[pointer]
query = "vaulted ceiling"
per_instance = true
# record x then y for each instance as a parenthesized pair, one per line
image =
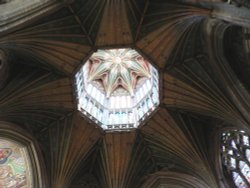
(201, 94)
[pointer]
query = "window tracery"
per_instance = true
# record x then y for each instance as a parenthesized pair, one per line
(235, 151)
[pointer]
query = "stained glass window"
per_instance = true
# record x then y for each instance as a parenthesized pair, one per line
(235, 152)
(15, 169)
(117, 88)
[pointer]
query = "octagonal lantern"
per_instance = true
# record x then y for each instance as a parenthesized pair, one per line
(117, 88)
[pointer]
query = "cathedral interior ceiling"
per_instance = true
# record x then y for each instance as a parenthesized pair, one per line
(46, 48)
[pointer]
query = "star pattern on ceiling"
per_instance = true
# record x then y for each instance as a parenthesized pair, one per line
(118, 68)
(199, 93)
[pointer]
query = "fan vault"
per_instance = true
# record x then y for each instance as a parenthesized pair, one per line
(195, 48)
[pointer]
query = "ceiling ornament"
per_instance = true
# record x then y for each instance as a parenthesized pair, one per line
(118, 68)
(117, 88)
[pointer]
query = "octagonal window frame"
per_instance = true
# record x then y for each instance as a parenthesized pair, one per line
(153, 94)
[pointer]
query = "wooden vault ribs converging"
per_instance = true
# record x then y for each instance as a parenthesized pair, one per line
(200, 92)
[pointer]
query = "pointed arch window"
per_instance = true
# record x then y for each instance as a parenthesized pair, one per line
(235, 152)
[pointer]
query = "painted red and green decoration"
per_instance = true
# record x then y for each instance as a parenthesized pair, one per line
(117, 88)
(14, 166)
(118, 68)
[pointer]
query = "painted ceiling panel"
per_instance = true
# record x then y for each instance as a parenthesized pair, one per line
(118, 68)
(15, 165)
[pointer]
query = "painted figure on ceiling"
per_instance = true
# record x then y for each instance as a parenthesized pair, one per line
(12, 170)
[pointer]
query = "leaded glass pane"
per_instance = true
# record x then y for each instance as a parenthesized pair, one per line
(246, 140)
(245, 170)
(239, 181)
(236, 156)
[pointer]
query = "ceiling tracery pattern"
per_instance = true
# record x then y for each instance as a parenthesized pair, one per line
(118, 68)
(121, 34)
(173, 149)
(66, 158)
(36, 97)
(115, 164)
(39, 95)
(57, 40)
(158, 37)
(192, 88)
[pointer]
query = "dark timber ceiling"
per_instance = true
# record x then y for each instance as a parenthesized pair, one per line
(175, 146)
